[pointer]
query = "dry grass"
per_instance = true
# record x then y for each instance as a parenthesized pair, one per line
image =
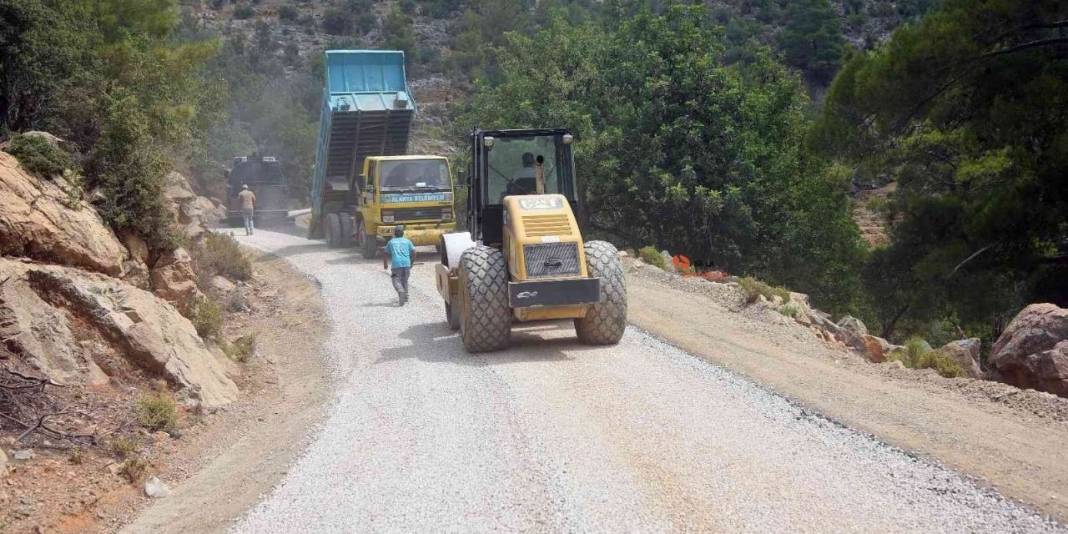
(157, 411)
(754, 289)
(917, 354)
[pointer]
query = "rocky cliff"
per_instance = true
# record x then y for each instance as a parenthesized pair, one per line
(74, 301)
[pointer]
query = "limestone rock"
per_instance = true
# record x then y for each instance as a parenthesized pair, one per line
(54, 316)
(1032, 352)
(192, 213)
(876, 349)
(174, 280)
(36, 222)
(222, 285)
(137, 247)
(966, 353)
(854, 325)
(155, 488)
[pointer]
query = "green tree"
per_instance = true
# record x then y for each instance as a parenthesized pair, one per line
(679, 150)
(812, 39)
(110, 77)
(966, 111)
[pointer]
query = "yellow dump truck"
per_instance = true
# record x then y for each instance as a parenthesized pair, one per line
(416, 191)
(363, 184)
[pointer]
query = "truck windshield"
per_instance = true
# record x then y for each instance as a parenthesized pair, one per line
(514, 163)
(421, 175)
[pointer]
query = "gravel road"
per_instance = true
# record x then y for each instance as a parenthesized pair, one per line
(555, 436)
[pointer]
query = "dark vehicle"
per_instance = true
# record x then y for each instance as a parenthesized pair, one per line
(264, 178)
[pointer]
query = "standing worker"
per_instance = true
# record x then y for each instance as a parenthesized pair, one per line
(400, 250)
(248, 206)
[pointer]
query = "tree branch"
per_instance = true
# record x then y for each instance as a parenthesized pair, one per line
(1025, 46)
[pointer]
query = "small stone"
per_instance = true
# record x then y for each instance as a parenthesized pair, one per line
(155, 488)
(22, 455)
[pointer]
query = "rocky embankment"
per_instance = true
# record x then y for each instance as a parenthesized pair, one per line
(80, 305)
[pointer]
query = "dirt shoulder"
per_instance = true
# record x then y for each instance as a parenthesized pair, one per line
(240, 453)
(1007, 439)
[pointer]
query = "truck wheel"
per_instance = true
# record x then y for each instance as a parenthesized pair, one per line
(605, 321)
(333, 229)
(368, 243)
(344, 239)
(452, 316)
(486, 319)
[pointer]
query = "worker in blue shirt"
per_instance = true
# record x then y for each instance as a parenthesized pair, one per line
(400, 251)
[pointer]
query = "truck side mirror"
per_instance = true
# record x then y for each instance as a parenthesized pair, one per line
(361, 181)
(461, 177)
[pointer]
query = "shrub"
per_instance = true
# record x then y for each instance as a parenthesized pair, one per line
(157, 411)
(207, 318)
(652, 256)
(241, 349)
(288, 13)
(219, 254)
(39, 157)
(918, 354)
(123, 447)
(337, 22)
(754, 289)
(243, 12)
(790, 310)
(134, 469)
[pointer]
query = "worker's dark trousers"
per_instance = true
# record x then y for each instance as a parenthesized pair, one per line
(400, 282)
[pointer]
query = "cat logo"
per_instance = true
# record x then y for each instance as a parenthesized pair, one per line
(526, 294)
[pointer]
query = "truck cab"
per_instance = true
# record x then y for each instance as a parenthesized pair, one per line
(416, 191)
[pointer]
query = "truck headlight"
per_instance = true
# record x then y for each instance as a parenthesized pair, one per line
(387, 216)
(446, 215)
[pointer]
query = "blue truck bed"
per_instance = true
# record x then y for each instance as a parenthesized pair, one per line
(367, 111)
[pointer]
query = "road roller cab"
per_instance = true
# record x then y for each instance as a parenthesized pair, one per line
(524, 258)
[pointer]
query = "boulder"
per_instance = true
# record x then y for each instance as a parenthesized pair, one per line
(36, 222)
(137, 247)
(966, 353)
(155, 488)
(176, 188)
(876, 348)
(136, 273)
(853, 333)
(669, 266)
(192, 213)
(854, 325)
(1032, 352)
(60, 319)
(173, 279)
(222, 285)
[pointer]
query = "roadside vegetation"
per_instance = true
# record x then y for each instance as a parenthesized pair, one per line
(697, 134)
(736, 133)
(917, 354)
(219, 255)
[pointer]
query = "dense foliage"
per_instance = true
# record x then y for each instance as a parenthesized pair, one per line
(679, 149)
(966, 111)
(107, 76)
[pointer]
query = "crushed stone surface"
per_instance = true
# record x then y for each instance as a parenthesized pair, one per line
(551, 435)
